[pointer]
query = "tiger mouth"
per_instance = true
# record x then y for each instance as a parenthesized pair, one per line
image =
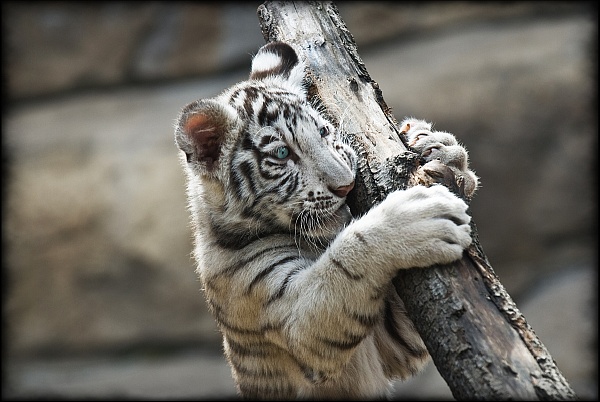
(324, 219)
(343, 212)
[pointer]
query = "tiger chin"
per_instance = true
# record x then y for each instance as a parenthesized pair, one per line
(300, 290)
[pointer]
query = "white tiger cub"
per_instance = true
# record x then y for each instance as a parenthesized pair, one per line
(300, 290)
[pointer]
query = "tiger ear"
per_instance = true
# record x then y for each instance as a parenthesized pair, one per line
(279, 61)
(200, 132)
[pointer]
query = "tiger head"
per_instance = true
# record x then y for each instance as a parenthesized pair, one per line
(266, 153)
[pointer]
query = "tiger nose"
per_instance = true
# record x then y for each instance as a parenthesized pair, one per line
(342, 191)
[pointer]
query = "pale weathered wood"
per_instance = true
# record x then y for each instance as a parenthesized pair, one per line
(479, 341)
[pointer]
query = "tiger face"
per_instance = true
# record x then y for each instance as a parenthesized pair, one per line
(304, 170)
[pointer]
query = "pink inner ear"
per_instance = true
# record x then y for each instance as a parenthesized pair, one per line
(206, 137)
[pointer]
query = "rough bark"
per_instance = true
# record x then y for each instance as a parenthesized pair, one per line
(479, 341)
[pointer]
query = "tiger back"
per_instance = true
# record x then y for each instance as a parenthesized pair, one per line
(301, 291)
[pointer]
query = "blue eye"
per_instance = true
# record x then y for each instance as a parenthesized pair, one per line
(282, 152)
(323, 131)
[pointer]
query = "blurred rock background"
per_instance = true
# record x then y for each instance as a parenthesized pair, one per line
(100, 296)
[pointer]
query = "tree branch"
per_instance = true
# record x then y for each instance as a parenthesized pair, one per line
(479, 341)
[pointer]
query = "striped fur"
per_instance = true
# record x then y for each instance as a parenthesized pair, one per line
(300, 290)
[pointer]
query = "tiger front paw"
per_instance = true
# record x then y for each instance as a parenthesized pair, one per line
(445, 160)
(428, 225)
